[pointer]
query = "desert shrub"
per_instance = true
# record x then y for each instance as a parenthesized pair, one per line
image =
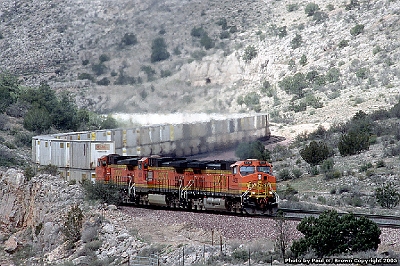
(332, 75)
(159, 50)
(365, 166)
(7, 158)
(310, 9)
(292, 7)
(334, 174)
(252, 150)
(197, 32)
(294, 84)
(340, 234)
(376, 50)
(207, 42)
(9, 90)
(315, 152)
(387, 196)
(103, 82)
(290, 192)
(103, 58)
(233, 29)
(124, 79)
(23, 139)
(250, 52)
(327, 165)
(29, 172)
(299, 107)
(223, 23)
(357, 29)
(224, 34)
(107, 193)
(150, 72)
(251, 99)
(330, 7)
(49, 169)
(165, 73)
(343, 43)
(296, 41)
(280, 152)
(380, 163)
(303, 60)
(37, 119)
(73, 224)
(86, 76)
(320, 16)
(352, 5)
(284, 174)
(99, 69)
(297, 173)
(353, 143)
(362, 73)
(380, 114)
(129, 39)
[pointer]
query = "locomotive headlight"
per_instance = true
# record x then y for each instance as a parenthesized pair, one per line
(270, 192)
(259, 176)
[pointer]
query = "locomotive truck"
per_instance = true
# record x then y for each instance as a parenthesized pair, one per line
(247, 186)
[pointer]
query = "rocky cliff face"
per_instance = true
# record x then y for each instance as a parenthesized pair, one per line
(32, 212)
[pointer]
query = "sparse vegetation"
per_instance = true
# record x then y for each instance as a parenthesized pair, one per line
(250, 52)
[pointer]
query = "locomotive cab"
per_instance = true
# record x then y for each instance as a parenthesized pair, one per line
(257, 186)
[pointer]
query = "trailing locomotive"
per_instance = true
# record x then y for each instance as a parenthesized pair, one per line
(243, 186)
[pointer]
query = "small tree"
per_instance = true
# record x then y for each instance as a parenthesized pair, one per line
(159, 50)
(282, 239)
(387, 196)
(311, 8)
(357, 29)
(331, 234)
(252, 150)
(315, 152)
(353, 143)
(296, 41)
(73, 224)
(250, 52)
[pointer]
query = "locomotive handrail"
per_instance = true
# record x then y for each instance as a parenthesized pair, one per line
(184, 190)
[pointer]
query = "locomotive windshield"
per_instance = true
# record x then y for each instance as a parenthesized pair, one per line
(246, 170)
(264, 169)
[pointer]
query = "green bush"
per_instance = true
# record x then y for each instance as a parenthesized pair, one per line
(37, 119)
(129, 39)
(332, 75)
(9, 90)
(86, 76)
(73, 224)
(223, 23)
(197, 32)
(106, 193)
(207, 42)
(99, 69)
(343, 43)
(339, 234)
(124, 79)
(362, 73)
(315, 152)
(303, 60)
(353, 143)
(103, 58)
(320, 16)
(352, 5)
(296, 41)
(284, 174)
(387, 196)
(103, 82)
(224, 35)
(357, 29)
(294, 84)
(150, 72)
(159, 50)
(250, 52)
(310, 9)
(292, 7)
(252, 150)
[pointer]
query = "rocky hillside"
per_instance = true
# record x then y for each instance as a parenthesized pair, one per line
(224, 56)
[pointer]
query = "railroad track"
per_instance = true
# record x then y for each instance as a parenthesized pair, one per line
(389, 221)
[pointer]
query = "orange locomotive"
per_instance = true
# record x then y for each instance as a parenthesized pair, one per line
(247, 186)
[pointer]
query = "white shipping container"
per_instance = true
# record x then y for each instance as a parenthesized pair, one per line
(84, 154)
(60, 153)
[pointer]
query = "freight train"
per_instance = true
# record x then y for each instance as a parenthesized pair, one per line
(247, 186)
